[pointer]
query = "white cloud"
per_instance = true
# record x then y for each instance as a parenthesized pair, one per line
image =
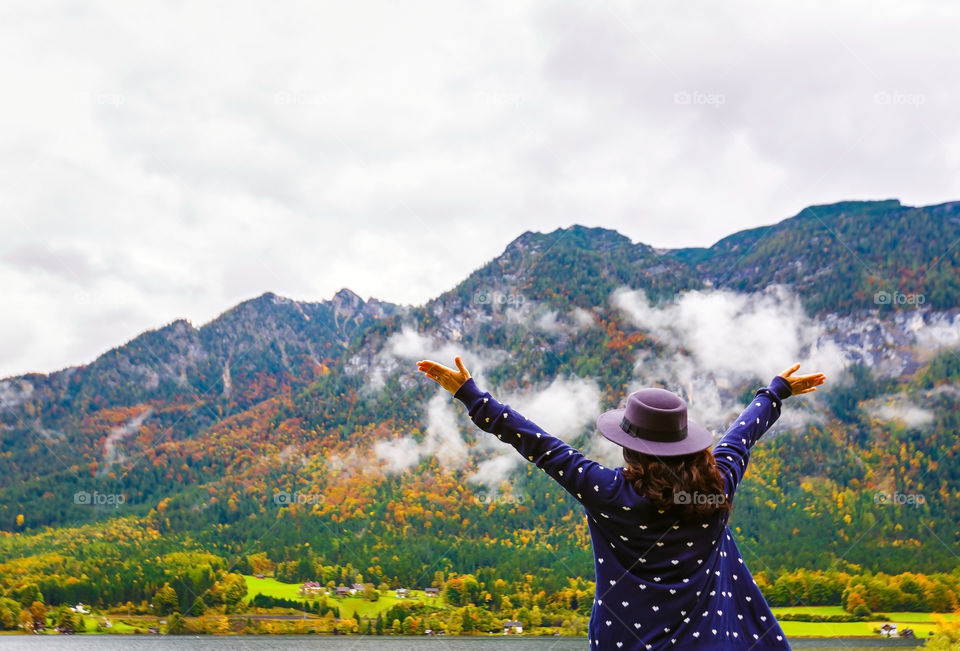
(406, 347)
(306, 148)
(442, 440)
(736, 334)
(13, 393)
(398, 454)
(551, 321)
(716, 340)
(938, 331)
(496, 470)
(562, 409)
(909, 415)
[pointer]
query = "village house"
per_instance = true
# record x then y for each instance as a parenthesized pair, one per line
(432, 592)
(356, 587)
(402, 593)
(311, 587)
(343, 591)
(888, 630)
(512, 627)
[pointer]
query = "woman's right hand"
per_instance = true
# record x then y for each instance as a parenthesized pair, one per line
(802, 383)
(448, 378)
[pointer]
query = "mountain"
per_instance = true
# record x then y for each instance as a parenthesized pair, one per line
(282, 423)
(838, 257)
(187, 377)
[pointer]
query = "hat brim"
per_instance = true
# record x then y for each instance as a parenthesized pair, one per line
(698, 437)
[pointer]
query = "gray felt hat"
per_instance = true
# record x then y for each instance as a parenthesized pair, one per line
(654, 422)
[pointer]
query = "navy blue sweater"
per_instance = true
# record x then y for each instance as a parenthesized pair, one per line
(663, 582)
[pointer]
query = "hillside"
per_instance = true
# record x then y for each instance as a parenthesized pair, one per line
(839, 256)
(297, 431)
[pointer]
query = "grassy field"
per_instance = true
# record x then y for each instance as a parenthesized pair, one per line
(271, 588)
(349, 606)
(921, 623)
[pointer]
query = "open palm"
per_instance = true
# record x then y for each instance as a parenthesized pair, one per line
(802, 383)
(448, 378)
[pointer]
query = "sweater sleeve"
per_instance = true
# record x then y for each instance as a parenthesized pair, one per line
(733, 451)
(591, 483)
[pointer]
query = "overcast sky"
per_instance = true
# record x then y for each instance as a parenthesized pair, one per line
(165, 160)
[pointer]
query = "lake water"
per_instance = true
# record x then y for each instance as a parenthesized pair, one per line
(358, 643)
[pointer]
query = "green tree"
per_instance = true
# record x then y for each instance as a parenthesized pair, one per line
(231, 590)
(68, 621)
(9, 613)
(165, 600)
(28, 594)
(176, 624)
(198, 607)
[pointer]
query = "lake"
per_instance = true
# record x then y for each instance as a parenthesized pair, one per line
(358, 643)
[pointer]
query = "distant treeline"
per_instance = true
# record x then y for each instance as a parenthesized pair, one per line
(316, 607)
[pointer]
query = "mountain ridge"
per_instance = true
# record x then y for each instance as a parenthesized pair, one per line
(345, 301)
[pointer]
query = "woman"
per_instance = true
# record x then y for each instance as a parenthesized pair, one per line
(669, 575)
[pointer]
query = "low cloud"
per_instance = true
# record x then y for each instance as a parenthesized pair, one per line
(538, 317)
(403, 349)
(937, 331)
(745, 335)
(496, 470)
(564, 408)
(442, 440)
(717, 341)
(900, 410)
(14, 392)
(398, 455)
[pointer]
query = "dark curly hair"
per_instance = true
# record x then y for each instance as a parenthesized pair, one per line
(690, 485)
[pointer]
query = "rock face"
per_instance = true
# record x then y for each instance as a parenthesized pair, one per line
(266, 336)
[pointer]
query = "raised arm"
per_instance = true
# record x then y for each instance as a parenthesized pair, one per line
(733, 451)
(591, 483)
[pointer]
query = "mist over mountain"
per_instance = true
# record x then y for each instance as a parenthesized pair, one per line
(200, 428)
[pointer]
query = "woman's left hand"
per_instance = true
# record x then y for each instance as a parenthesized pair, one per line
(446, 377)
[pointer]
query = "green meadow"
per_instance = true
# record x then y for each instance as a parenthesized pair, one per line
(921, 623)
(349, 606)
